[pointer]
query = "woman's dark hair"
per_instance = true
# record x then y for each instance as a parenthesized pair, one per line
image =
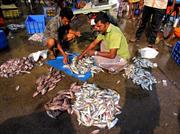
(66, 12)
(103, 17)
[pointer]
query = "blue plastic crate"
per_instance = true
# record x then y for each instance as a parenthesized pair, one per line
(3, 40)
(176, 52)
(35, 24)
(58, 64)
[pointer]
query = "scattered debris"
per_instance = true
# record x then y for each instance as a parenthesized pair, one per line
(17, 88)
(16, 66)
(95, 131)
(118, 82)
(175, 114)
(164, 82)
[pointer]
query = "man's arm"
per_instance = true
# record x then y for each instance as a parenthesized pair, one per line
(111, 54)
(65, 60)
(89, 48)
(76, 33)
(174, 2)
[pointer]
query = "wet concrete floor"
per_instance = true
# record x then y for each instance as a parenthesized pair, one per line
(143, 112)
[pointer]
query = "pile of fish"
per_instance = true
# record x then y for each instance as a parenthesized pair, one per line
(93, 106)
(96, 106)
(15, 27)
(83, 66)
(143, 63)
(48, 82)
(36, 37)
(61, 102)
(139, 75)
(16, 66)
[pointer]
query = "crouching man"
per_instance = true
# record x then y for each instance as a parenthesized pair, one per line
(58, 34)
(114, 52)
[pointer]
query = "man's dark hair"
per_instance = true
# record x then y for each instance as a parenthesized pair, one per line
(103, 17)
(66, 12)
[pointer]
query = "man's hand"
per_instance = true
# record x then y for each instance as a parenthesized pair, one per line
(79, 57)
(70, 36)
(65, 59)
(78, 34)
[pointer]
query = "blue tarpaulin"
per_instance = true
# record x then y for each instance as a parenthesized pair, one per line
(59, 65)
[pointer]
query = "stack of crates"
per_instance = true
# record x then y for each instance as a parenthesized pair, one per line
(10, 11)
(35, 24)
(176, 52)
(49, 12)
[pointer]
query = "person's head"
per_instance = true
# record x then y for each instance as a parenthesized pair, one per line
(66, 15)
(102, 22)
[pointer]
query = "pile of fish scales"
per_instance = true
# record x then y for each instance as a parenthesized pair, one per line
(62, 101)
(48, 82)
(96, 107)
(16, 66)
(84, 65)
(139, 75)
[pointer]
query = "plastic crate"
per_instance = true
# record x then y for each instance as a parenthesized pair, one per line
(10, 11)
(176, 52)
(35, 24)
(49, 12)
(3, 40)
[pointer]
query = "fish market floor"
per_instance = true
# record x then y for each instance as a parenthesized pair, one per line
(143, 112)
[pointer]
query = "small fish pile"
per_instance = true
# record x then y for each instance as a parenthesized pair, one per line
(36, 37)
(96, 107)
(143, 63)
(83, 66)
(16, 66)
(48, 82)
(61, 102)
(140, 77)
(15, 27)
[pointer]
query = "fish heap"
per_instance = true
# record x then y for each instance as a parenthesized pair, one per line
(143, 63)
(16, 66)
(96, 107)
(83, 66)
(15, 27)
(139, 75)
(61, 102)
(36, 37)
(48, 82)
